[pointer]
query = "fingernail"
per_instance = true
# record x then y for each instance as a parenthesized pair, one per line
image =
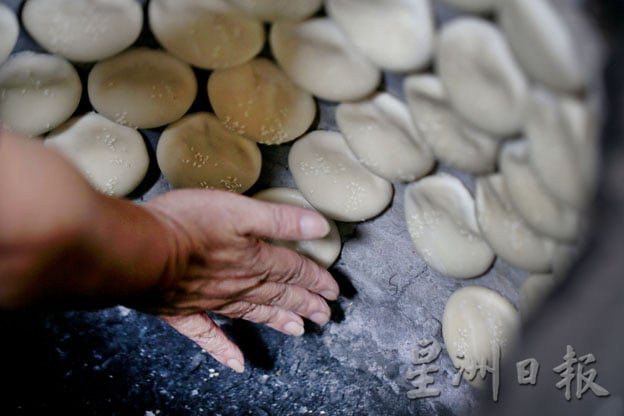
(319, 318)
(329, 294)
(313, 226)
(294, 328)
(236, 365)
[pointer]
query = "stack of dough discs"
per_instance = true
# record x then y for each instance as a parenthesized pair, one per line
(542, 43)
(85, 30)
(9, 30)
(259, 101)
(484, 83)
(440, 215)
(142, 88)
(272, 10)
(198, 152)
(111, 156)
(38, 92)
(506, 232)
(396, 35)
(532, 200)
(453, 140)
(319, 58)
(208, 34)
(332, 179)
(381, 134)
(324, 251)
(478, 324)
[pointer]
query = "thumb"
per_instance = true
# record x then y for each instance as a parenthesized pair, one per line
(202, 330)
(282, 222)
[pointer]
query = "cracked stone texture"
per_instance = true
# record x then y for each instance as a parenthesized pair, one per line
(119, 362)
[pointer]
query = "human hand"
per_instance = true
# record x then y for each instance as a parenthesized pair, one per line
(222, 264)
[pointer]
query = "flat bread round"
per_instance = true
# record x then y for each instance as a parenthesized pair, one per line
(38, 92)
(208, 34)
(484, 82)
(142, 88)
(259, 101)
(396, 35)
(380, 132)
(112, 157)
(505, 230)
(323, 251)
(542, 43)
(454, 141)
(9, 31)
(85, 30)
(478, 325)
(333, 181)
(319, 58)
(441, 220)
(198, 152)
(273, 10)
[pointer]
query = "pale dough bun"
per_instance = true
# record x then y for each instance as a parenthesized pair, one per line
(323, 251)
(259, 101)
(272, 10)
(453, 140)
(396, 35)
(208, 34)
(333, 181)
(534, 291)
(477, 324)
(380, 132)
(542, 43)
(562, 145)
(112, 157)
(319, 58)
(441, 220)
(38, 92)
(484, 82)
(473, 6)
(85, 30)
(198, 152)
(506, 232)
(538, 207)
(142, 88)
(9, 31)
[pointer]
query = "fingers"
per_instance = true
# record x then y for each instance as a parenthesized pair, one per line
(282, 222)
(272, 316)
(287, 266)
(208, 335)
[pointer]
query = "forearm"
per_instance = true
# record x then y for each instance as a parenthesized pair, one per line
(61, 241)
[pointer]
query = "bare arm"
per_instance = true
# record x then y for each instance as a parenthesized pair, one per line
(183, 253)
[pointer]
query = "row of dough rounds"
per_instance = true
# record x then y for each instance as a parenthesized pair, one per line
(501, 98)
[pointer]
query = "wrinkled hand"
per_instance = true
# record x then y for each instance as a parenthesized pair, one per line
(222, 264)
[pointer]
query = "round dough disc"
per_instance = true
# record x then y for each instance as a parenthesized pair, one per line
(85, 30)
(332, 179)
(484, 82)
(506, 232)
(9, 31)
(478, 324)
(396, 35)
(454, 141)
(272, 10)
(319, 58)
(142, 88)
(259, 101)
(441, 221)
(208, 34)
(198, 152)
(534, 290)
(324, 251)
(380, 132)
(38, 92)
(112, 157)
